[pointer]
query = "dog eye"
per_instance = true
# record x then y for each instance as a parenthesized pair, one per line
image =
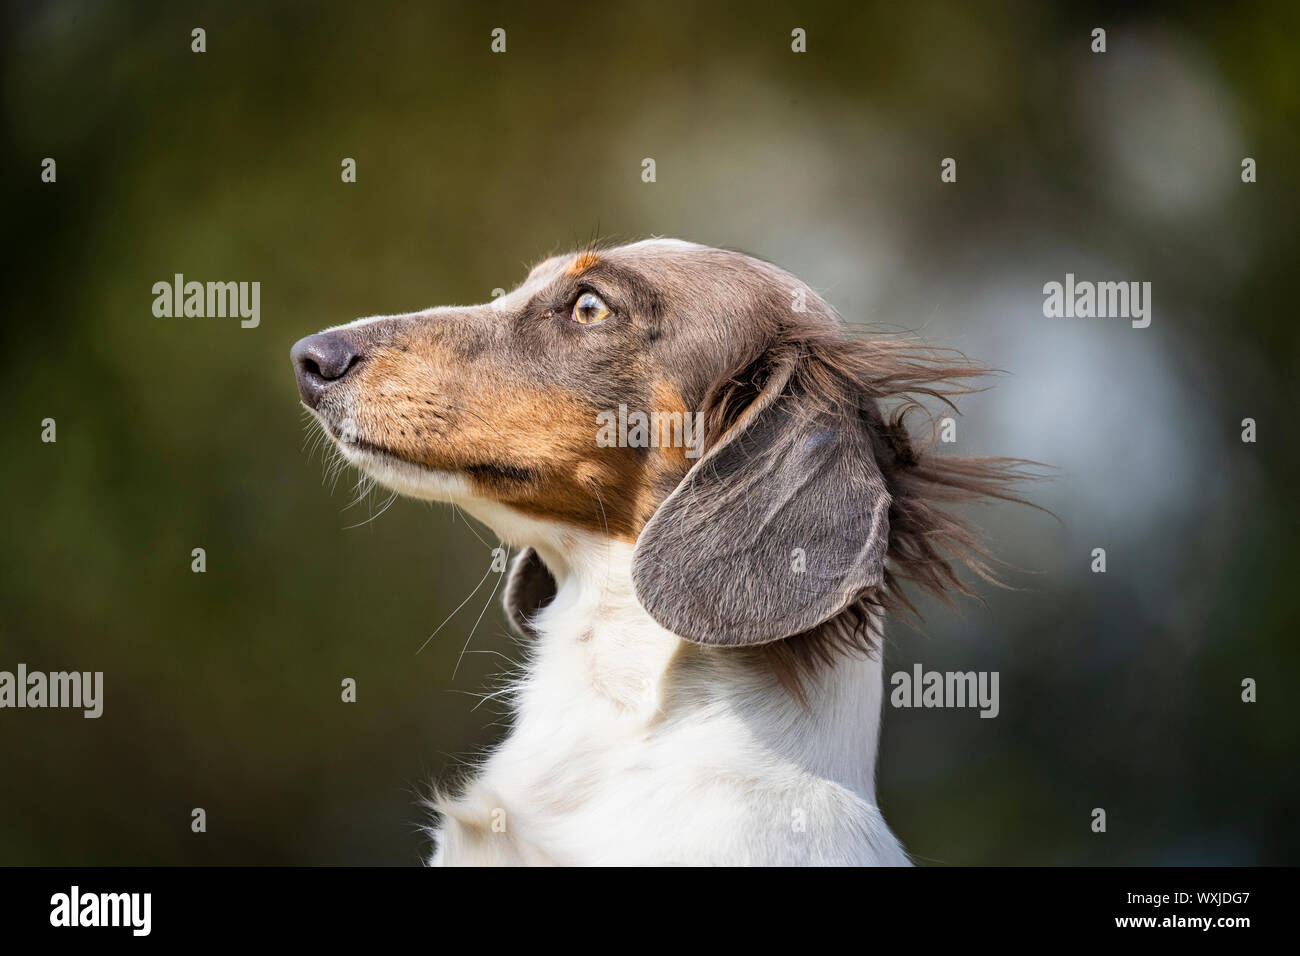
(590, 309)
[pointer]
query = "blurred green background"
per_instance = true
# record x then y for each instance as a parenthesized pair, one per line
(1119, 690)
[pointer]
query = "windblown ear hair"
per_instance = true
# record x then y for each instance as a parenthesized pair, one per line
(782, 524)
(529, 589)
(813, 503)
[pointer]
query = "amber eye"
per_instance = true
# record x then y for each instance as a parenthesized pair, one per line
(590, 309)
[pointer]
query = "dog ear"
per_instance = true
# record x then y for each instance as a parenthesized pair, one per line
(780, 526)
(529, 589)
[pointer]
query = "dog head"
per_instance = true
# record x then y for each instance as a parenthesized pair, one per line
(702, 404)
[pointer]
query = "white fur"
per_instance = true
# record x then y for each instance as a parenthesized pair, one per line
(631, 746)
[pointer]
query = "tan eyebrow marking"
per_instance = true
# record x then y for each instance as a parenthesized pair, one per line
(582, 263)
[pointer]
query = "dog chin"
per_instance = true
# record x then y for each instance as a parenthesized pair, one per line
(415, 481)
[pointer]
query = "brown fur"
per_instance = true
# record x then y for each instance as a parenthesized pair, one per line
(928, 543)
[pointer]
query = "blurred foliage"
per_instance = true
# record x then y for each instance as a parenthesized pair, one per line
(222, 689)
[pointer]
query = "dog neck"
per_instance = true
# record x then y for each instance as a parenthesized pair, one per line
(600, 661)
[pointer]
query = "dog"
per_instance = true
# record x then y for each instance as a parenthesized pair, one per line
(703, 683)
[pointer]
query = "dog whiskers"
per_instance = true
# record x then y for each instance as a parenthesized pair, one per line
(456, 510)
(454, 613)
(500, 576)
(388, 503)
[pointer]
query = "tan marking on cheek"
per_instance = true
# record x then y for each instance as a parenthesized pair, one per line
(552, 435)
(582, 263)
(579, 481)
(532, 448)
(672, 437)
(668, 464)
(613, 490)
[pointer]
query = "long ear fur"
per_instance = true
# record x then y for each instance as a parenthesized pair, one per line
(779, 527)
(805, 446)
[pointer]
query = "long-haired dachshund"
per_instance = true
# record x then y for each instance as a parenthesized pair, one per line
(717, 501)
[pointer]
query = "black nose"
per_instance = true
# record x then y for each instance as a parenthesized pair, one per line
(321, 360)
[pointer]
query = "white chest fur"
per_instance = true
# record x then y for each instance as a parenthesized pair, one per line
(631, 746)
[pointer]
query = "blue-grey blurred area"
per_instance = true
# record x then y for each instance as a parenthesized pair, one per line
(1119, 691)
